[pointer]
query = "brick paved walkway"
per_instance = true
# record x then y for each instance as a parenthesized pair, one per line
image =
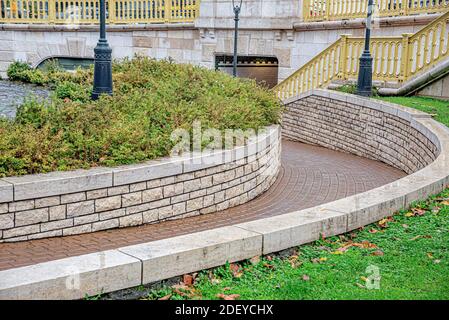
(310, 176)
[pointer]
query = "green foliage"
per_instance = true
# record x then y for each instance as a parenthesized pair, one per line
(32, 112)
(151, 100)
(51, 74)
(18, 71)
(73, 91)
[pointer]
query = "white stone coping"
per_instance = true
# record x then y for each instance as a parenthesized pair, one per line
(60, 183)
(167, 258)
(93, 27)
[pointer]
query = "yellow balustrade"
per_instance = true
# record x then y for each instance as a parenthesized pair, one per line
(395, 59)
(87, 12)
(328, 10)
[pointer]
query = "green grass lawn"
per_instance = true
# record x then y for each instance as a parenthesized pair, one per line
(402, 257)
(438, 108)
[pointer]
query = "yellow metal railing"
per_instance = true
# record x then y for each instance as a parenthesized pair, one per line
(87, 12)
(327, 10)
(395, 59)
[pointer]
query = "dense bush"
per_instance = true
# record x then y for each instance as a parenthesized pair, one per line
(151, 99)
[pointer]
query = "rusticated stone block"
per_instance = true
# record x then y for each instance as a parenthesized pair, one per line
(80, 208)
(6, 221)
(108, 204)
(24, 218)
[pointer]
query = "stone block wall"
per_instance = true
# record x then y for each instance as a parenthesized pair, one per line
(370, 129)
(183, 188)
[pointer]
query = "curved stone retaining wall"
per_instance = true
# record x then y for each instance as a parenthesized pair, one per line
(67, 203)
(131, 266)
(367, 128)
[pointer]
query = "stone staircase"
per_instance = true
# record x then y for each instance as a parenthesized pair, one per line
(397, 61)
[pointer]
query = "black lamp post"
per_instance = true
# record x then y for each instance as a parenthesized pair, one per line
(103, 59)
(365, 81)
(237, 7)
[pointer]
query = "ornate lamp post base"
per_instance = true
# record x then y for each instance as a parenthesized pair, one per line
(103, 69)
(365, 81)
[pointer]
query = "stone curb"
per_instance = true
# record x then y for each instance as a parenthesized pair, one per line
(176, 256)
(61, 183)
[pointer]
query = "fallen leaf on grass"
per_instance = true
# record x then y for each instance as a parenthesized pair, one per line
(373, 231)
(445, 203)
(228, 297)
(255, 260)
(364, 245)
(437, 261)
(361, 286)
(384, 222)
(405, 226)
(269, 266)
(419, 211)
(167, 297)
(409, 214)
(183, 290)
(305, 277)
(338, 252)
(294, 262)
(430, 255)
(378, 253)
(226, 289)
(236, 271)
(421, 236)
(187, 279)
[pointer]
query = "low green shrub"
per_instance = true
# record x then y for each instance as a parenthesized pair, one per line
(151, 99)
(73, 91)
(18, 71)
(50, 75)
